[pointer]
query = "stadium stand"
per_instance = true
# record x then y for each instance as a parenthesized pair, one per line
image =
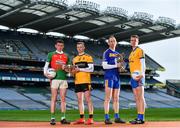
(22, 54)
(19, 101)
(173, 87)
(39, 98)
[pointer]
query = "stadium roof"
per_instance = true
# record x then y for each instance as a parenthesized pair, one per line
(85, 18)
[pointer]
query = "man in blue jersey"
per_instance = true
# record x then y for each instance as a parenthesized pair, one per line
(111, 80)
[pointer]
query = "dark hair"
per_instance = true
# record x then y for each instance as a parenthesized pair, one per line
(80, 43)
(59, 41)
(135, 36)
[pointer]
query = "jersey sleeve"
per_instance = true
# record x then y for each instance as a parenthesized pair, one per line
(105, 57)
(49, 57)
(73, 61)
(141, 54)
(89, 59)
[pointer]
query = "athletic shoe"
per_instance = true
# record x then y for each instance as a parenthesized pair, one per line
(53, 121)
(119, 120)
(108, 121)
(89, 121)
(80, 121)
(137, 121)
(64, 121)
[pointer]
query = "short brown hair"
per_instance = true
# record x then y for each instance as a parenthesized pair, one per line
(80, 43)
(59, 41)
(135, 36)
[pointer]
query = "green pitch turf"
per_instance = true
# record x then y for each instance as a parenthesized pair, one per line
(160, 114)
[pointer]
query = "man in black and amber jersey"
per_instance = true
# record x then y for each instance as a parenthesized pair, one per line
(84, 67)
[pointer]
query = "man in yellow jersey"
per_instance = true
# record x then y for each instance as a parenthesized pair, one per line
(84, 67)
(137, 66)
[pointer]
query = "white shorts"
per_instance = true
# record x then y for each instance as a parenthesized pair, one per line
(56, 84)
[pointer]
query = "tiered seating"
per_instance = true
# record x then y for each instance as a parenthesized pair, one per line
(11, 48)
(18, 100)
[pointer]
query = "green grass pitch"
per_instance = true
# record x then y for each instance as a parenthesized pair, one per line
(152, 114)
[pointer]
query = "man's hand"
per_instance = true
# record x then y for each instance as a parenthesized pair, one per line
(63, 67)
(75, 70)
(119, 65)
(138, 77)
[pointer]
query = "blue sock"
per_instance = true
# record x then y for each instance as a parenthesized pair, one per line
(116, 115)
(106, 116)
(140, 116)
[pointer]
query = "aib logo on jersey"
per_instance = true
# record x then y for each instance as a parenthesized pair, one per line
(60, 62)
(112, 55)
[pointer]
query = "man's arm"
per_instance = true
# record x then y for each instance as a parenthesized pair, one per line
(46, 68)
(108, 66)
(90, 68)
(143, 65)
(105, 64)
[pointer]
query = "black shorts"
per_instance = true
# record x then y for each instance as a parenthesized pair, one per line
(82, 87)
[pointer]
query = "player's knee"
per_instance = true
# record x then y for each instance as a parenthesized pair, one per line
(53, 99)
(116, 99)
(88, 100)
(80, 100)
(141, 98)
(107, 99)
(63, 99)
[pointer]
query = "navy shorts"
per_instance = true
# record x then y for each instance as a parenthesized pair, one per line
(135, 84)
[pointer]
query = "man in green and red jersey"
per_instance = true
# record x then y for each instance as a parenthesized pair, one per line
(58, 61)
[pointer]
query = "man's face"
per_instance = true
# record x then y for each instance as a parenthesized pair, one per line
(80, 48)
(134, 41)
(112, 42)
(59, 46)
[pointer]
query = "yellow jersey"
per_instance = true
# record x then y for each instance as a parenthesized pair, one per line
(82, 61)
(134, 59)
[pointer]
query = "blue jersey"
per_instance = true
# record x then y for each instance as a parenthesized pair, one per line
(110, 57)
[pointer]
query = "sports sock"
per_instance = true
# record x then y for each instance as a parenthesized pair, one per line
(90, 115)
(106, 116)
(52, 115)
(140, 116)
(81, 115)
(63, 116)
(116, 115)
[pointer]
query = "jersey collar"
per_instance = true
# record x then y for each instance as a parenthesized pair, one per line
(59, 52)
(135, 48)
(81, 54)
(111, 49)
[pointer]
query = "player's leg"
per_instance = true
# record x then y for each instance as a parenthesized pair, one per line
(54, 92)
(138, 91)
(80, 97)
(139, 97)
(115, 97)
(63, 101)
(108, 95)
(63, 90)
(90, 106)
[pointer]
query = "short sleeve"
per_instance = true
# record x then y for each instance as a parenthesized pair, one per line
(90, 59)
(73, 61)
(141, 54)
(49, 57)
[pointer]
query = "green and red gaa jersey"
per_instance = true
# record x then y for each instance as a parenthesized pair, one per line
(56, 60)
